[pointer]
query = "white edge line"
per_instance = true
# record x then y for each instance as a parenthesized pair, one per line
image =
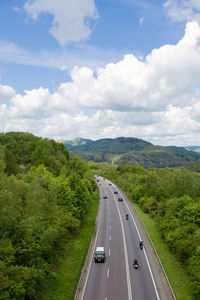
(92, 250)
(148, 264)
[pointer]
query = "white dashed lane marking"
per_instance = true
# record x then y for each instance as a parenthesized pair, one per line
(108, 273)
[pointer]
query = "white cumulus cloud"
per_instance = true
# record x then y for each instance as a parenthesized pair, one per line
(71, 19)
(157, 99)
(6, 92)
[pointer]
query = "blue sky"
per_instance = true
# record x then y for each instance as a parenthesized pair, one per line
(103, 68)
(121, 27)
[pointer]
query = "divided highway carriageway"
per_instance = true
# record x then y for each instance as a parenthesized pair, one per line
(116, 278)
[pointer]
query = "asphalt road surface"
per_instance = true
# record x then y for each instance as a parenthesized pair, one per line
(116, 278)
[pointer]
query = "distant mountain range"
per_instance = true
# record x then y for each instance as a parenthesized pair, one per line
(132, 151)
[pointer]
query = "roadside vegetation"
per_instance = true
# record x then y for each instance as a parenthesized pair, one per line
(171, 197)
(45, 195)
(68, 269)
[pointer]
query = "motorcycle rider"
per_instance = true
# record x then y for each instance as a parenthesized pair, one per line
(141, 244)
(135, 262)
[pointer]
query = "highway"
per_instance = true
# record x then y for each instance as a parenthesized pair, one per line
(116, 278)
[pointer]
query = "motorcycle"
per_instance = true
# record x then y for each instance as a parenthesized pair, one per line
(135, 264)
(141, 245)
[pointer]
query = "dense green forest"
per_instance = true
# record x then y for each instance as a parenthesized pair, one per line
(44, 196)
(172, 198)
(131, 151)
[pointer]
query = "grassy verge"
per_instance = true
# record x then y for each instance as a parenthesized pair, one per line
(68, 271)
(175, 272)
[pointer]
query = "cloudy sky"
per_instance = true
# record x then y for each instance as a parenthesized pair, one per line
(101, 68)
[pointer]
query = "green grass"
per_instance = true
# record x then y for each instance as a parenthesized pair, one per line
(175, 272)
(68, 270)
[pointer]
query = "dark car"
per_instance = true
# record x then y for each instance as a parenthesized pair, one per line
(105, 196)
(110, 183)
(115, 192)
(120, 198)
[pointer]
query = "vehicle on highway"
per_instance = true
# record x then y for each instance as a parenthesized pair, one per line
(115, 192)
(110, 184)
(127, 217)
(105, 196)
(120, 198)
(141, 244)
(99, 255)
(135, 263)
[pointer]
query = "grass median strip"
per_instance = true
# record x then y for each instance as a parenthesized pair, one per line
(175, 272)
(68, 270)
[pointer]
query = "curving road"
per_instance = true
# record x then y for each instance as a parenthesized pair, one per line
(116, 279)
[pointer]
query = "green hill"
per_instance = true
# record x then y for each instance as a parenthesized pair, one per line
(70, 144)
(129, 151)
